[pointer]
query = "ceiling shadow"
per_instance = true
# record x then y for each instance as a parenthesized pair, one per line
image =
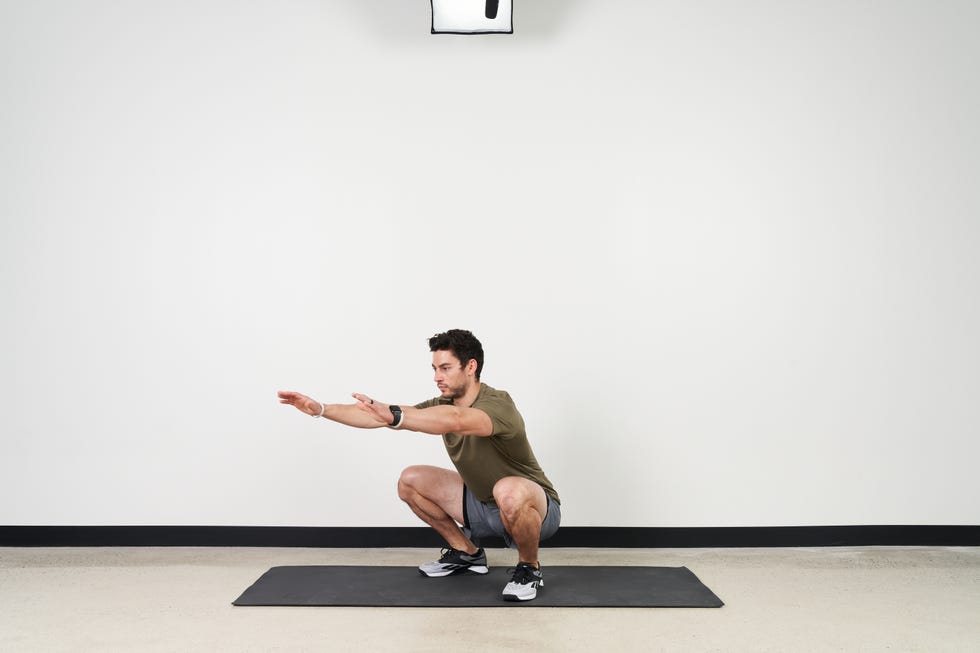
(544, 18)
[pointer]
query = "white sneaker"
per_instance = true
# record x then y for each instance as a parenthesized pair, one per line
(524, 584)
(456, 562)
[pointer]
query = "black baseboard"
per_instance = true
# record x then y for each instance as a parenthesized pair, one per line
(572, 536)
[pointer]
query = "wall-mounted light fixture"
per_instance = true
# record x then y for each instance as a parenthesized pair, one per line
(472, 16)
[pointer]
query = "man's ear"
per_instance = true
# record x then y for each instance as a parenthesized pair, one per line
(471, 367)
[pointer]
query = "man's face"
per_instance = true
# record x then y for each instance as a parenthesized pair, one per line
(450, 375)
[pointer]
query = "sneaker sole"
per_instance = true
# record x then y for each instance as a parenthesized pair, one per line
(527, 597)
(449, 572)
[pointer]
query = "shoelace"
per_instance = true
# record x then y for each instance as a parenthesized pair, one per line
(522, 574)
(448, 553)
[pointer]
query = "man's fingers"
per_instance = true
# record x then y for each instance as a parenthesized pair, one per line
(292, 398)
(367, 408)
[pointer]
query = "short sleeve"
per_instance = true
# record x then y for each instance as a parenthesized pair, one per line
(507, 422)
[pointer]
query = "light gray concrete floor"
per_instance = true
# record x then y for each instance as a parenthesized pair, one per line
(787, 600)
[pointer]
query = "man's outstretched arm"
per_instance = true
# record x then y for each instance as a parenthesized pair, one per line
(347, 414)
(435, 420)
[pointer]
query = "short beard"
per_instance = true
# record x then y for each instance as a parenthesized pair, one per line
(455, 393)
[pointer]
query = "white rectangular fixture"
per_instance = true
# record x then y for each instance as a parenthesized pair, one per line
(472, 16)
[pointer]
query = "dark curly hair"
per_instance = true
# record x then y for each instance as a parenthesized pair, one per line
(463, 344)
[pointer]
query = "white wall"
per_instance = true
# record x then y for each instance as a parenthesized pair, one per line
(724, 255)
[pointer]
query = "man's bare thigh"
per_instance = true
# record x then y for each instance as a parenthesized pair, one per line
(443, 487)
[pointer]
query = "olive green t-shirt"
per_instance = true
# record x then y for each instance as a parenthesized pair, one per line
(482, 461)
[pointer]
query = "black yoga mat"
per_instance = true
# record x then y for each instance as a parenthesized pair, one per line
(564, 587)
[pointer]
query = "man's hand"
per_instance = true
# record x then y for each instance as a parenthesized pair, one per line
(380, 412)
(301, 402)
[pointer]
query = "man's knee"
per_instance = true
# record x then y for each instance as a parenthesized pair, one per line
(410, 480)
(422, 480)
(514, 495)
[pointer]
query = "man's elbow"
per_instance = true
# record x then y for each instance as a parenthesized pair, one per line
(480, 426)
(458, 423)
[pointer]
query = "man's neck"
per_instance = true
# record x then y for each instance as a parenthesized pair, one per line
(469, 398)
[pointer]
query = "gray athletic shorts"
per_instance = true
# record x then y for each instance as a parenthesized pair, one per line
(483, 519)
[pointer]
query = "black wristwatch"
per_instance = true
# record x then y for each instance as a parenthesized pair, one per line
(396, 412)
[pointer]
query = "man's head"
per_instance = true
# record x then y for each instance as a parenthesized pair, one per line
(457, 360)
(463, 345)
